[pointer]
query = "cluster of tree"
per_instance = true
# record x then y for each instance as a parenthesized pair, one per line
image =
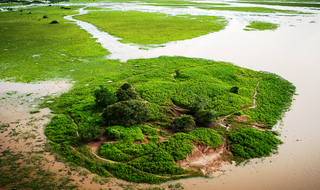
(196, 107)
(119, 109)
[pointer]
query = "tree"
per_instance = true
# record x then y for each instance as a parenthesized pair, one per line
(198, 102)
(207, 116)
(91, 133)
(183, 122)
(234, 89)
(126, 113)
(126, 92)
(103, 97)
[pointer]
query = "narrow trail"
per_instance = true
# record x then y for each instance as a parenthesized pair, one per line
(221, 120)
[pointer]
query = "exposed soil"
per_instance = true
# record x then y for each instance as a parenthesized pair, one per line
(206, 159)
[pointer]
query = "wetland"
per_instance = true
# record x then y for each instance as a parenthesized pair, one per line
(189, 111)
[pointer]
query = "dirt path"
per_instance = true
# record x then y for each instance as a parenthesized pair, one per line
(221, 120)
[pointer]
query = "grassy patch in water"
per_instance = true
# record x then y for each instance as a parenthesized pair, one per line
(33, 49)
(253, 10)
(152, 28)
(258, 25)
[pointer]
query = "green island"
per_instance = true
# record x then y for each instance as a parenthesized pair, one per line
(258, 25)
(152, 28)
(139, 120)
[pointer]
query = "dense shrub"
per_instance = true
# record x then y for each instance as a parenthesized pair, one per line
(252, 143)
(60, 129)
(103, 97)
(207, 116)
(207, 136)
(126, 113)
(91, 133)
(183, 122)
(158, 162)
(54, 22)
(234, 89)
(128, 94)
(198, 102)
(131, 174)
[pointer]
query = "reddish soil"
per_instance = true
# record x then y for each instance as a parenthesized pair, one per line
(205, 159)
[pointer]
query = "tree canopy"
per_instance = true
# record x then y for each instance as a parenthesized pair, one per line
(126, 113)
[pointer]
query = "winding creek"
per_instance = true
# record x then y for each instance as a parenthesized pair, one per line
(291, 51)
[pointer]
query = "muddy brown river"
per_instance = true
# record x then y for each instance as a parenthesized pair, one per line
(291, 51)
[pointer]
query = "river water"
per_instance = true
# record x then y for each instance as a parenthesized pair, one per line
(291, 51)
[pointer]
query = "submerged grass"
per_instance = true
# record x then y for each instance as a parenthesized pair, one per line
(258, 25)
(152, 28)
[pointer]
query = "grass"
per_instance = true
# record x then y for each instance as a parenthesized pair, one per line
(253, 10)
(41, 50)
(152, 28)
(258, 25)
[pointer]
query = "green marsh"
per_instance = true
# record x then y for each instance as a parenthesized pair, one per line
(152, 28)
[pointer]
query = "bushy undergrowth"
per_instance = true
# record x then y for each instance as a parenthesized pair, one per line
(129, 173)
(61, 129)
(252, 143)
(159, 162)
(207, 136)
(274, 98)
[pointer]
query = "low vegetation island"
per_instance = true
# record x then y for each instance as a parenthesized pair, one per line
(142, 120)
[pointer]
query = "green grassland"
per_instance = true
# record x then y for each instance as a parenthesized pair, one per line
(33, 49)
(162, 83)
(152, 28)
(258, 25)
(253, 10)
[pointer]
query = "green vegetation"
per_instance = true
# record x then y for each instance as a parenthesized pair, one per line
(152, 28)
(270, 109)
(184, 122)
(43, 50)
(253, 10)
(258, 25)
(126, 113)
(103, 97)
(157, 92)
(207, 137)
(159, 162)
(252, 143)
(91, 133)
(126, 93)
(131, 174)
(207, 116)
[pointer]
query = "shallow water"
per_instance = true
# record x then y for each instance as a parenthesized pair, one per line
(291, 51)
